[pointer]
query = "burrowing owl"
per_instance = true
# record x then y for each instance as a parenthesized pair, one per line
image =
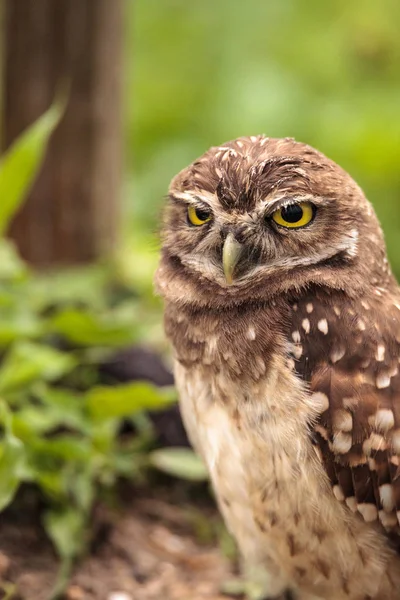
(285, 322)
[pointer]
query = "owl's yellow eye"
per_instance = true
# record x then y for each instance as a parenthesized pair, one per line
(198, 216)
(294, 215)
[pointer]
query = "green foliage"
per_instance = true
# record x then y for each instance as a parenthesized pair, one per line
(20, 164)
(59, 422)
(11, 459)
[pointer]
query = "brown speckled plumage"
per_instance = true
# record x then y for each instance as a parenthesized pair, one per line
(289, 377)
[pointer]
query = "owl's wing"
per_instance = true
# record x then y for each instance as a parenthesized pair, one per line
(349, 352)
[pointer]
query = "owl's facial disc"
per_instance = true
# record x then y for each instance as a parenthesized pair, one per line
(281, 233)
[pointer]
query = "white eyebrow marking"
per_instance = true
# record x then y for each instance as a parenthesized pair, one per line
(270, 205)
(193, 197)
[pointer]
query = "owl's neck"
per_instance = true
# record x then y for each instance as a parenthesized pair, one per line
(242, 340)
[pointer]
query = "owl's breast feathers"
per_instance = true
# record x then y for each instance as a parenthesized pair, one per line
(348, 352)
(294, 406)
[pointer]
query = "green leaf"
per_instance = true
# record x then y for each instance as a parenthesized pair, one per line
(65, 406)
(123, 400)
(11, 266)
(83, 488)
(74, 286)
(20, 164)
(12, 459)
(26, 362)
(179, 462)
(66, 447)
(51, 483)
(18, 323)
(65, 528)
(89, 329)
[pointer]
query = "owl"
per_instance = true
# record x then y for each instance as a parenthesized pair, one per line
(284, 318)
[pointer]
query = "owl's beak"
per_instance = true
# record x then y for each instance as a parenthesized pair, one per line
(231, 254)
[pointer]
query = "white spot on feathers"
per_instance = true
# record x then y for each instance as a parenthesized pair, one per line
(351, 503)
(320, 401)
(342, 420)
(351, 403)
(384, 420)
(342, 442)
(323, 326)
(388, 520)
(251, 333)
(297, 351)
(309, 307)
(374, 442)
(306, 325)
(361, 325)
(296, 337)
(339, 495)
(387, 497)
(380, 353)
(368, 511)
(337, 354)
(382, 381)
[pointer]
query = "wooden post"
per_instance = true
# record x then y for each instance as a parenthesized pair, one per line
(72, 213)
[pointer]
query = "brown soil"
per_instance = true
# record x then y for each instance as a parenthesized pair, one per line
(146, 550)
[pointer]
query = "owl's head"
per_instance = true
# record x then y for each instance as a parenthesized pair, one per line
(258, 217)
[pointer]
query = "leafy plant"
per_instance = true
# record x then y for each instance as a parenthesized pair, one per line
(59, 423)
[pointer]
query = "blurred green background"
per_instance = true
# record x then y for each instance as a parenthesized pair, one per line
(198, 74)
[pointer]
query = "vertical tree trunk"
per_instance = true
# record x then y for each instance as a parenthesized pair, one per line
(71, 215)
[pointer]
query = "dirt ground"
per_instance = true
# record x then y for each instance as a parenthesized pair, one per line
(145, 550)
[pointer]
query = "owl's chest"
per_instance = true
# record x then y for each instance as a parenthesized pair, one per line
(252, 451)
(271, 488)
